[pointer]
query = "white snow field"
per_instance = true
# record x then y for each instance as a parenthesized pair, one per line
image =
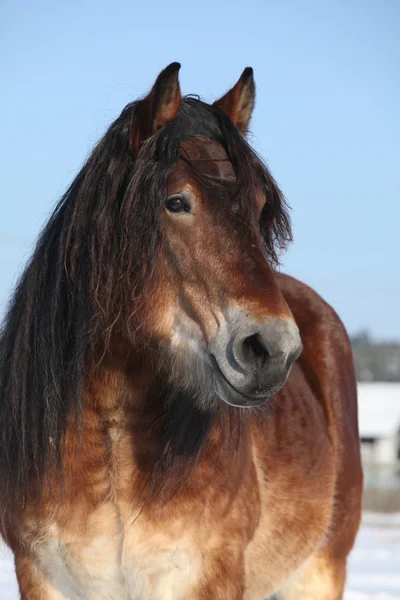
(374, 569)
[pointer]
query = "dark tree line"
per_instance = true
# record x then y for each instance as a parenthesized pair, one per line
(376, 361)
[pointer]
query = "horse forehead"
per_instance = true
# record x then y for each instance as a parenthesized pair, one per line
(202, 148)
(209, 157)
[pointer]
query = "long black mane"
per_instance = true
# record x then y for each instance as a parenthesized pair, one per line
(87, 272)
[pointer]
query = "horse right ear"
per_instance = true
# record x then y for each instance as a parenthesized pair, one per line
(238, 103)
(159, 107)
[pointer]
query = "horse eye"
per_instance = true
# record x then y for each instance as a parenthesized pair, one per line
(177, 204)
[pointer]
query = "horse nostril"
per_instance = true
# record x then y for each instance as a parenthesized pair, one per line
(254, 351)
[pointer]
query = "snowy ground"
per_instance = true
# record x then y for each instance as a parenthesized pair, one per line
(374, 569)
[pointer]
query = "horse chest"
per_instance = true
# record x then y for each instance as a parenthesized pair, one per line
(112, 550)
(111, 559)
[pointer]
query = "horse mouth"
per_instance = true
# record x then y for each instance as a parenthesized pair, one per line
(229, 394)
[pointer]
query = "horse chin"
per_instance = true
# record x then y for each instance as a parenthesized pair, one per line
(226, 392)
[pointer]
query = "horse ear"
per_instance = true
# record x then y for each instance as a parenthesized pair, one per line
(159, 107)
(238, 103)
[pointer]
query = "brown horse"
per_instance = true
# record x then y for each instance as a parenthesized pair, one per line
(178, 421)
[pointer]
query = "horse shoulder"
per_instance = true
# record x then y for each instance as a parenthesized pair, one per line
(306, 453)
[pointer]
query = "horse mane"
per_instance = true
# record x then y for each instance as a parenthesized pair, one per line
(88, 273)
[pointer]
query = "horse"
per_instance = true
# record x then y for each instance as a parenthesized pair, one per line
(178, 419)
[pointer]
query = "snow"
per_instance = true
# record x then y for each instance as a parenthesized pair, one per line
(8, 583)
(374, 567)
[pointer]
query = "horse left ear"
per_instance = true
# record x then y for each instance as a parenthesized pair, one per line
(159, 107)
(238, 103)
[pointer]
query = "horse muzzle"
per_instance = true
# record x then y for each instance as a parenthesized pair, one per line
(251, 360)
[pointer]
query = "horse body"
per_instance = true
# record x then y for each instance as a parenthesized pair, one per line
(157, 497)
(243, 524)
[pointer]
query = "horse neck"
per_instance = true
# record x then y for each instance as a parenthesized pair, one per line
(130, 400)
(119, 395)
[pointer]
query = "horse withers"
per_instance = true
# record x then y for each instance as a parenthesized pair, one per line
(178, 420)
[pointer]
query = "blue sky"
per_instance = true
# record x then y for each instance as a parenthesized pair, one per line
(327, 120)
